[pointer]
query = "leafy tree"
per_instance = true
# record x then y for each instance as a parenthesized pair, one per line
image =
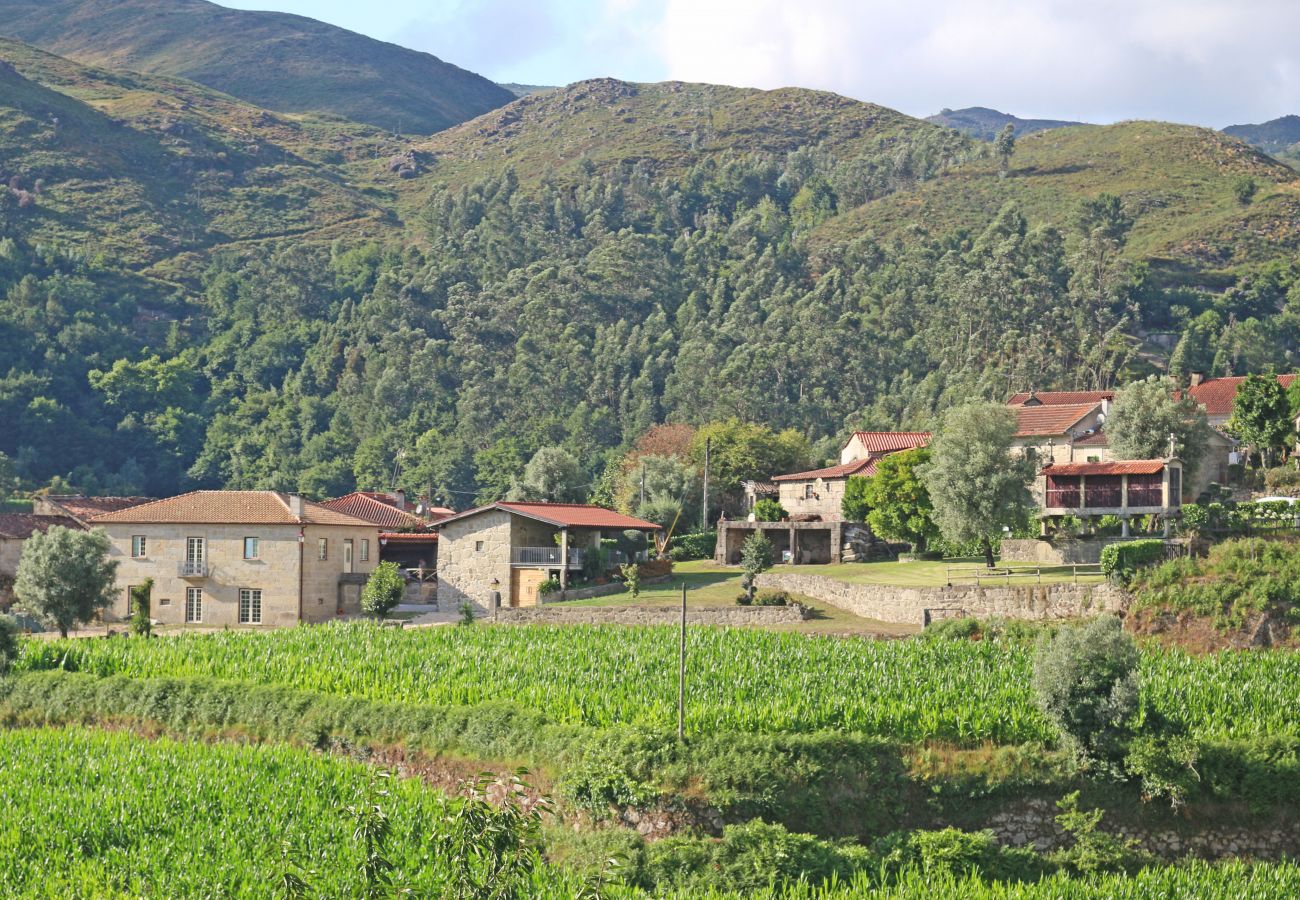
(1086, 683)
(384, 589)
(769, 510)
(1143, 416)
(854, 507)
(1261, 416)
(1244, 188)
(1005, 146)
(755, 558)
(8, 477)
(900, 504)
(65, 576)
(552, 474)
(975, 483)
(742, 451)
(8, 642)
(667, 481)
(141, 623)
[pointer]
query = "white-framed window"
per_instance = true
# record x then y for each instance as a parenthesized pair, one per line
(323, 548)
(252, 548)
(138, 546)
(478, 546)
(365, 550)
(194, 604)
(250, 606)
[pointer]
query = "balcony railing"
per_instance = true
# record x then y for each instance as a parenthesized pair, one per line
(191, 568)
(550, 556)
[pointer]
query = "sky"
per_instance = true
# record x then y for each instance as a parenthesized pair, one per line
(1205, 62)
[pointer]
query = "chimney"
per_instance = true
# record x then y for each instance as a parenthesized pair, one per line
(1197, 378)
(296, 505)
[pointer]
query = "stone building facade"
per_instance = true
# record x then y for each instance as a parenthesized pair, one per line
(509, 549)
(240, 558)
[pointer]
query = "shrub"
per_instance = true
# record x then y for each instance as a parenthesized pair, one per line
(755, 558)
(1093, 850)
(383, 591)
(141, 624)
(953, 629)
(632, 578)
(466, 613)
(550, 586)
(8, 642)
(1283, 479)
(1120, 561)
(1086, 683)
(693, 546)
(772, 598)
(767, 510)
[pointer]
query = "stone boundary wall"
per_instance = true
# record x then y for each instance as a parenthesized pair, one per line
(1033, 824)
(650, 615)
(904, 605)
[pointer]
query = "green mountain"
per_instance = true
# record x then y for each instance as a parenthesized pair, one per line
(195, 291)
(984, 124)
(274, 60)
(1278, 137)
(142, 168)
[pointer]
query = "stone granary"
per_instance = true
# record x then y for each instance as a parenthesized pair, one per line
(508, 549)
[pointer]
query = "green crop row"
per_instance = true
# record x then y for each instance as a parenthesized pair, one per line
(737, 680)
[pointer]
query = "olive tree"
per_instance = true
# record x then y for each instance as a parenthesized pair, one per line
(1143, 416)
(65, 576)
(976, 484)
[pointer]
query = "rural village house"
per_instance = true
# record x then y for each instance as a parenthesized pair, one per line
(240, 558)
(510, 548)
(406, 537)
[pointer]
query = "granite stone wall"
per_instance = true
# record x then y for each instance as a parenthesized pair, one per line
(904, 605)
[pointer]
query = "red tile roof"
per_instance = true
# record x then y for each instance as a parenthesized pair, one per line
(1217, 395)
(1096, 439)
(80, 507)
(21, 526)
(229, 508)
(563, 515)
(892, 441)
(1116, 467)
(1060, 398)
(380, 509)
(408, 537)
(864, 467)
(1050, 421)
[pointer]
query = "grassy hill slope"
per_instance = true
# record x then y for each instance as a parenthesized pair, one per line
(141, 168)
(1177, 180)
(668, 126)
(277, 61)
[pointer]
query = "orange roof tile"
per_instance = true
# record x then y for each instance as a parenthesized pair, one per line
(1218, 395)
(21, 526)
(864, 467)
(1115, 467)
(81, 507)
(562, 515)
(1060, 398)
(228, 508)
(408, 537)
(892, 441)
(379, 509)
(1049, 421)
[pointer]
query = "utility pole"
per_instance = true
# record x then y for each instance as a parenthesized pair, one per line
(704, 512)
(681, 674)
(643, 483)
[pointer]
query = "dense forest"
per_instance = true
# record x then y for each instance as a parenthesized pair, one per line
(485, 313)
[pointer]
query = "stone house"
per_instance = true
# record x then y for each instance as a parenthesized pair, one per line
(406, 533)
(1217, 396)
(249, 558)
(1063, 433)
(15, 529)
(819, 493)
(509, 548)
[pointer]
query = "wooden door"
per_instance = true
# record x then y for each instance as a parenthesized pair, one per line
(524, 584)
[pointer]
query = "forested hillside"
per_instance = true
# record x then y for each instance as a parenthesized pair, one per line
(278, 61)
(196, 292)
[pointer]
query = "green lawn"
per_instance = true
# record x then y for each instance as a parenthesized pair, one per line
(926, 573)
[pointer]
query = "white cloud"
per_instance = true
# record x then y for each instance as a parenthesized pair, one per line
(1208, 61)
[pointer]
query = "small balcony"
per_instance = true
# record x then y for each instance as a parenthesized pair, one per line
(192, 568)
(549, 557)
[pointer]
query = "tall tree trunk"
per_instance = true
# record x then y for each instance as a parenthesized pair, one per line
(988, 551)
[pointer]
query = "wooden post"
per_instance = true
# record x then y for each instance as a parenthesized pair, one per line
(681, 674)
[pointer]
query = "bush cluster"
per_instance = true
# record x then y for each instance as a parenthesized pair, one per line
(1120, 561)
(692, 546)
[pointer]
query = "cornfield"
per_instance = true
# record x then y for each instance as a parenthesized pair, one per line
(740, 680)
(94, 814)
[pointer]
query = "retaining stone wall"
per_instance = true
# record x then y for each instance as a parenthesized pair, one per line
(650, 615)
(889, 603)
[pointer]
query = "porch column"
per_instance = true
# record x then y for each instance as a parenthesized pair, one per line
(1123, 526)
(564, 558)
(837, 543)
(794, 550)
